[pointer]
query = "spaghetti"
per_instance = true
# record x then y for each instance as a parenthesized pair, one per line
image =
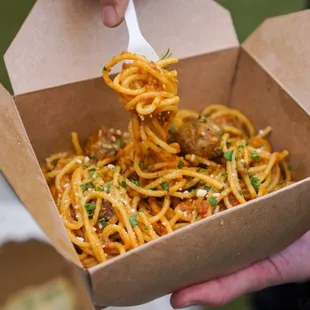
(173, 168)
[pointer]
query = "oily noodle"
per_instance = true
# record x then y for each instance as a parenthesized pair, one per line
(151, 188)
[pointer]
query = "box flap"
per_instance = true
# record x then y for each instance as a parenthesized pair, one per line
(64, 41)
(283, 43)
(18, 169)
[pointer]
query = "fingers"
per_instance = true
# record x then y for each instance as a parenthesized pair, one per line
(113, 11)
(221, 291)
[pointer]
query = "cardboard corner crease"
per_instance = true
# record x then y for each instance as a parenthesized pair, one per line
(54, 64)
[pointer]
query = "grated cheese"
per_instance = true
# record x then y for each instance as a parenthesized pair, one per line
(201, 193)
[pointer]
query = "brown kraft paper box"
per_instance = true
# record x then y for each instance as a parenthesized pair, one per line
(55, 66)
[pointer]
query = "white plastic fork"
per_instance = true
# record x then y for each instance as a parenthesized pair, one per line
(137, 43)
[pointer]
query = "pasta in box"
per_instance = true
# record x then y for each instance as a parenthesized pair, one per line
(187, 178)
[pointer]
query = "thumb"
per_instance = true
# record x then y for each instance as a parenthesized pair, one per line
(113, 11)
(219, 292)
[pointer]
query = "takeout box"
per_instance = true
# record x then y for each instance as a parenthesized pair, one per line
(55, 66)
(35, 276)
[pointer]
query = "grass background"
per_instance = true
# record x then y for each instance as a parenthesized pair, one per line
(247, 15)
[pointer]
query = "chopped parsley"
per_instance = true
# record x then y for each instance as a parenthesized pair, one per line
(54, 162)
(92, 169)
(207, 188)
(89, 207)
(202, 169)
(165, 186)
(180, 164)
(100, 189)
(117, 187)
(119, 142)
(212, 201)
(91, 175)
(143, 166)
(228, 155)
(154, 189)
(255, 156)
(104, 68)
(220, 133)
(247, 143)
(245, 171)
(147, 228)
(134, 181)
(240, 146)
(133, 220)
(255, 182)
(103, 222)
(223, 174)
(202, 119)
(87, 186)
(172, 128)
(107, 187)
(124, 184)
(168, 54)
(240, 192)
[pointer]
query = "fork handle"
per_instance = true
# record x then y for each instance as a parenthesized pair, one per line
(132, 21)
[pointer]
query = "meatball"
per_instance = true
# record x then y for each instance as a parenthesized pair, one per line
(106, 211)
(200, 137)
(105, 143)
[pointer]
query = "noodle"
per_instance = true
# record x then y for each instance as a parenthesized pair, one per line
(173, 168)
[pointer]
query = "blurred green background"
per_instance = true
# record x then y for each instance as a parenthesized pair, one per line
(247, 15)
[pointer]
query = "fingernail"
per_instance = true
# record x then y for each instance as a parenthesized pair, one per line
(109, 16)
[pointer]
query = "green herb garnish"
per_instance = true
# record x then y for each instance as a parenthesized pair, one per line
(135, 182)
(180, 164)
(143, 166)
(89, 207)
(240, 192)
(220, 133)
(107, 187)
(119, 142)
(100, 189)
(245, 171)
(154, 189)
(124, 184)
(133, 220)
(255, 182)
(228, 155)
(202, 119)
(103, 222)
(92, 169)
(165, 186)
(104, 68)
(87, 186)
(213, 201)
(255, 156)
(147, 228)
(54, 162)
(172, 128)
(207, 188)
(240, 147)
(168, 54)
